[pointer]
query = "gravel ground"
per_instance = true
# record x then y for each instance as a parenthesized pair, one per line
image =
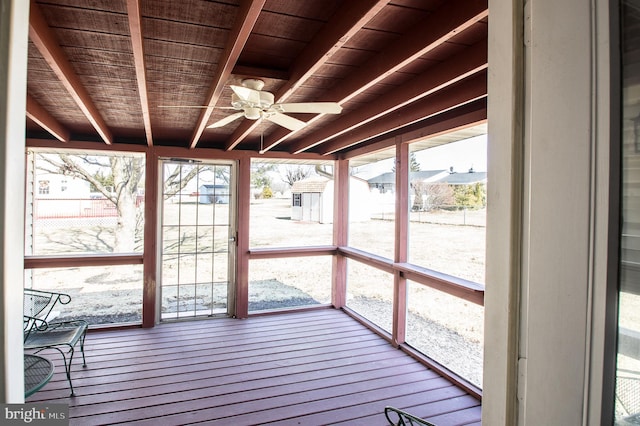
(441, 343)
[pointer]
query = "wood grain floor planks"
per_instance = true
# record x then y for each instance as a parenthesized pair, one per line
(304, 368)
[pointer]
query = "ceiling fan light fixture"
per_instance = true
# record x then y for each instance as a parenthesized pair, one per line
(252, 113)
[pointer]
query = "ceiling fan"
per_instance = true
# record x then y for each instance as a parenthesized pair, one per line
(253, 103)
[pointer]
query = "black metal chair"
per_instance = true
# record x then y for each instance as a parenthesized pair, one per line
(41, 334)
(403, 418)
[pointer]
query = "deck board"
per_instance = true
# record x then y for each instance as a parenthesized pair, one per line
(303, 368)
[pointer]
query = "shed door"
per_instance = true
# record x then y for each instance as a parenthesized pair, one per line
(311, 206)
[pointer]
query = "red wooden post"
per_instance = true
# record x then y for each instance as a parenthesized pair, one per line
(340, 232)
(402, 232)
(150, 255)
(242, 239)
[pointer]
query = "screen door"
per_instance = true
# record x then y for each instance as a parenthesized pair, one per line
(198, 239)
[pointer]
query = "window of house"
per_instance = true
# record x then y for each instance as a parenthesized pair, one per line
(370, 293)
(43, 187)
(91, 218)
(99, 295)
(447, 215)
(627, 395)
(86, 222)
(275, 284)
(291, 203)
(447, 329)
(372, 203)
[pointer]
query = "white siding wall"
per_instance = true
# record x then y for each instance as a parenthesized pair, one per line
(14, 27)
(547, 211)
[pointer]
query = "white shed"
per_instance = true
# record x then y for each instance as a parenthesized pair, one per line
(312, 199)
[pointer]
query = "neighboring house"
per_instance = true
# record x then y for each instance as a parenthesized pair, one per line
(427, 195)
(312, 200)
(213, 194)
(57, 195)
(51, 185)
(386, 182)
(469, 178)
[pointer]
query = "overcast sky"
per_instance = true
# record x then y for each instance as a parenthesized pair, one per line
(462, 155)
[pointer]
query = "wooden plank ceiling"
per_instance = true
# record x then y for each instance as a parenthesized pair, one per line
(104, 71)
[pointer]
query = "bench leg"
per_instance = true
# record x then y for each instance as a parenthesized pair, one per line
(84, 361)
(67, 367)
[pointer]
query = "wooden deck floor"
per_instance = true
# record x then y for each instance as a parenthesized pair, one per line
(312, 368)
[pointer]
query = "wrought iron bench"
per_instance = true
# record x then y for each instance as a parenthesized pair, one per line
(628, 394)
(403, 418)
(41, 334)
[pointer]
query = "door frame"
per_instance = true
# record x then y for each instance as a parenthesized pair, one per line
(233, 240)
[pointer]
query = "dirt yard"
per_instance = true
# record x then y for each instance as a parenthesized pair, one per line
(439, 241)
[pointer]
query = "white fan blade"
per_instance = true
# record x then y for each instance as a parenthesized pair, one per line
(246, 94)
(290, 123)
(310, 107)
(194, 106)
(226, 120)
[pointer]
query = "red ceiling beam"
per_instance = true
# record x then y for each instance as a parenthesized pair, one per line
(468, 115)
(463, 92)
(460, 66)
(449, 20)
(345, 23)
(45, 41)
(37, 113)
(246, 19)
(135, 28)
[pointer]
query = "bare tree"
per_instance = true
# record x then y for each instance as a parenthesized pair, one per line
(431, 196)
(178, 178)
(118, 178)
(293, 174)
(126, 173)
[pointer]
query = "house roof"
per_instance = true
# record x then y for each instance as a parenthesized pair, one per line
(212, 186)
(390, 177)
(464, 178)
(427, 175)
(104, 72)
(314, 184)
(383, 179)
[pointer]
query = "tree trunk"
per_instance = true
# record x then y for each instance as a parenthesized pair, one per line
(126, 175)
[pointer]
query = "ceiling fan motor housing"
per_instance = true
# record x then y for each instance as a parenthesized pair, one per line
(266, 99)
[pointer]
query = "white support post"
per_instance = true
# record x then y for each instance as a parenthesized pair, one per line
(547, 217)
(14, 34)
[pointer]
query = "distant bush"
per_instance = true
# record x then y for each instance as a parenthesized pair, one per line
(470, 196)
(266, 192)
